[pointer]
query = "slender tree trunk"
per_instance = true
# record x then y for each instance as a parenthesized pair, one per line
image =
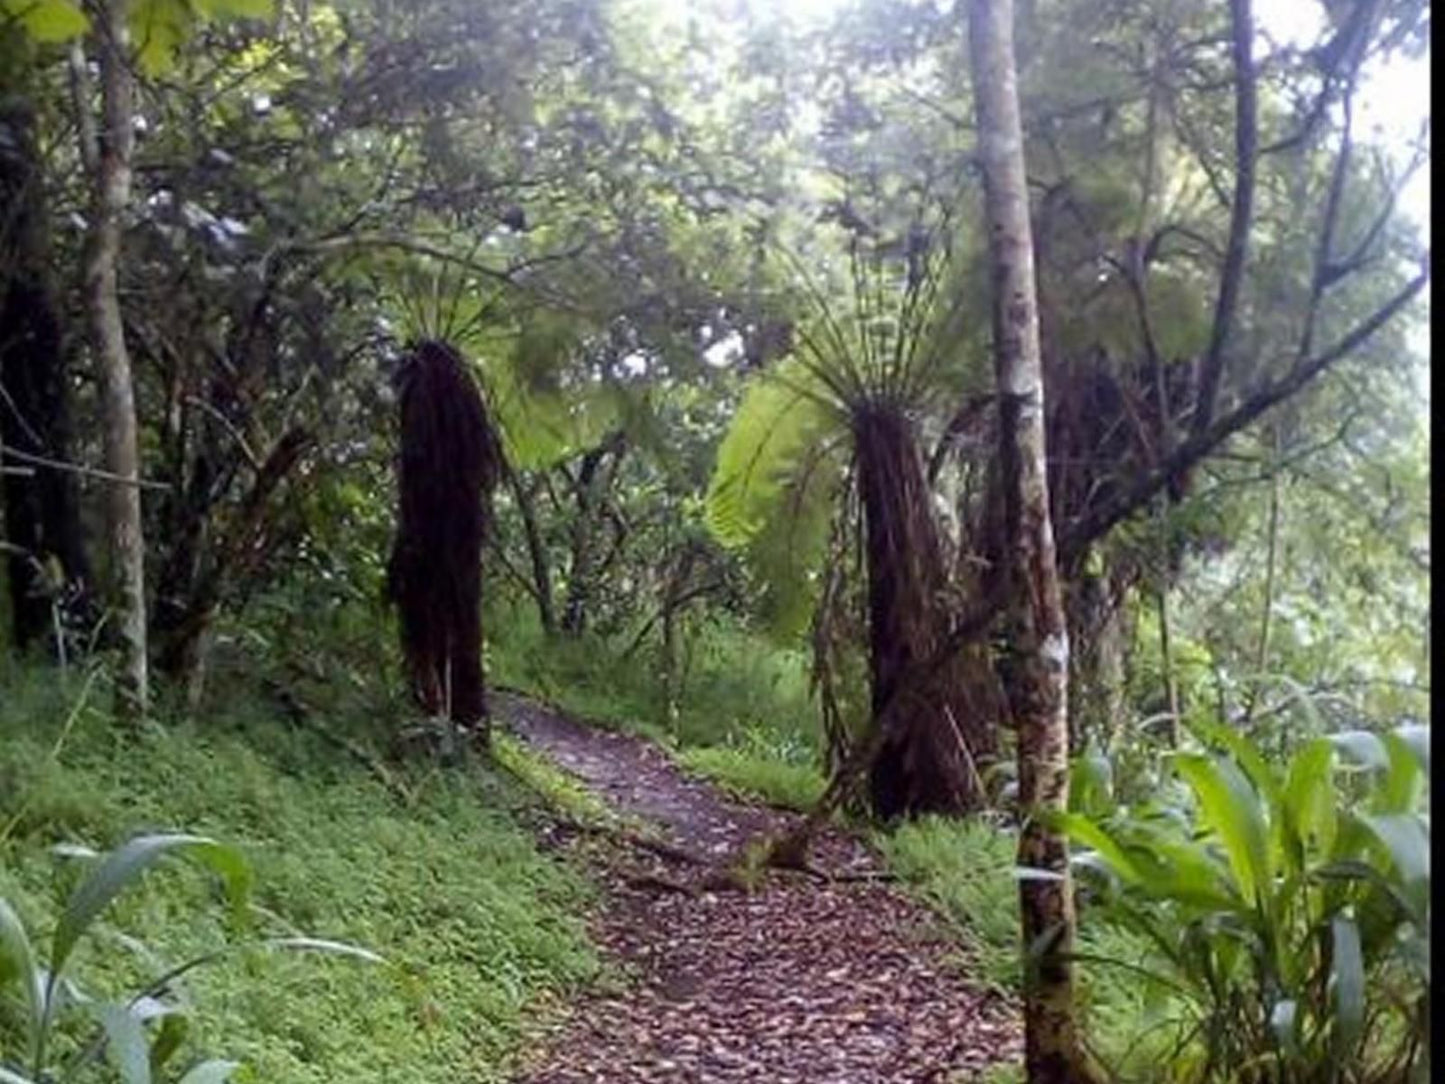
(1261, 656)
(111, 197)
(1039, 686)
(1166, 624)
(671, 605)
(537, 553)
(41, 505)
(1166, 662)
(590, 488)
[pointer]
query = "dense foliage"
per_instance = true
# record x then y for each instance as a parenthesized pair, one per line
(716, 286)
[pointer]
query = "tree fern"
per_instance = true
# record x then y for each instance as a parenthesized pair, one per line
(531, 362)
(779, 469)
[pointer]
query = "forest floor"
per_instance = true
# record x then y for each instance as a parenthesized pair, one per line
(780, 977)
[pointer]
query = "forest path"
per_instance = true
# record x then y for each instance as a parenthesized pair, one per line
(802, 981)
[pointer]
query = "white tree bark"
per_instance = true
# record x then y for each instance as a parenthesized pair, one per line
(1038, 692)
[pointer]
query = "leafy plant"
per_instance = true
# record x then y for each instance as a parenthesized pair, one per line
(1287, 907)
(140, 1034)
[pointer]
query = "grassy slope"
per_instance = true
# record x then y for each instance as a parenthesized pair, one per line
(449, 888)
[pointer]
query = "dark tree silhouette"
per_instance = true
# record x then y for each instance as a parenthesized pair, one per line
(450, 462)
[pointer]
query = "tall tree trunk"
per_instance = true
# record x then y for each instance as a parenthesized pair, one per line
(449, 465)
(673, 598)
(1261, 654)
(41, 506)
(110, 198)
(1038, 690)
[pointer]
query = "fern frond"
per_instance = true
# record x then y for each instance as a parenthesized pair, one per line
(777, 479)
(780, 417)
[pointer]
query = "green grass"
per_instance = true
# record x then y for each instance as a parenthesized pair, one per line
(555, 787)
(964, 870)
(483, 931)
(738, 684)
(747, 775)
(744, 721)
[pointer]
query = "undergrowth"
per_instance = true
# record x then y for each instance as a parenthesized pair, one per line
(743, 718)
(746, 774)
(444, 883)
(735, 682)
(964, 870)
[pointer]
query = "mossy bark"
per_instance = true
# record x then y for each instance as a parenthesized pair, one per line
(1038, 683)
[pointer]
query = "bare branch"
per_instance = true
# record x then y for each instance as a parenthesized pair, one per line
(76, 468)
(1241, 212)
(1200, 444)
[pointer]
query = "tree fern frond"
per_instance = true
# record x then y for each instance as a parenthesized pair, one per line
(782, 415)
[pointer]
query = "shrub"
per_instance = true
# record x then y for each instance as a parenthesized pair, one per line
(1287, 908)
(142, 1031)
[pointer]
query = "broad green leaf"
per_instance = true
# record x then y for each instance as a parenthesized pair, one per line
(1308, 801)
(169, 1037)
(210, 1072)
(74, 850)
(1244, 752)
(123, 866)
(1403, 783)
(1231, 808)
(1082, 830)
(1354, 870)
(1282, 1021)
(1347, 983)
(1190, 874)
(17, 964)
(1362, 748)
(774, 486)
(778, 421)
(332, 948)
(1091, 782)
(1405, 840)
(1417, 738)
(125, 1042)
(47, 20)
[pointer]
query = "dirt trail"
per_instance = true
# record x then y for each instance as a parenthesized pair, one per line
(801, 982)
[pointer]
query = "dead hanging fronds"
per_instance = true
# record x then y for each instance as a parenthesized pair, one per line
(834, 630)
(449, 464)
(932, 764)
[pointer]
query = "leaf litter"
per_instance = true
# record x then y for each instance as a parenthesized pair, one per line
(799, 981)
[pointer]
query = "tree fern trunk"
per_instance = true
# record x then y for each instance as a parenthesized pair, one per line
(41, 507)
(931, 761)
